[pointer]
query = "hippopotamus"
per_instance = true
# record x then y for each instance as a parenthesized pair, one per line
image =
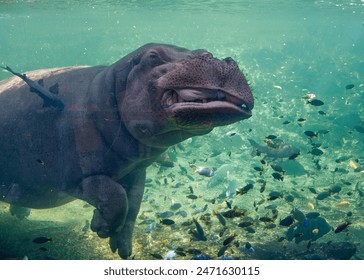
(90, 132)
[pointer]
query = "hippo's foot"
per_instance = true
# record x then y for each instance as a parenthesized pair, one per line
(121, 243)
(19, 212)
(110, 201)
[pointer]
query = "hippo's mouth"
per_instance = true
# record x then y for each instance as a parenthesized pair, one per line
(205, 107)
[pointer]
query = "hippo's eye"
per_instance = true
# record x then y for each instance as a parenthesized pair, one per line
(154, 59)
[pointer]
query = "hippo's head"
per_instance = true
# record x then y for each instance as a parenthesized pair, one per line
(170, 94)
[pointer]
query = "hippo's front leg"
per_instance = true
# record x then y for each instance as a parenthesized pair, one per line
(122, 239)
(110, 200)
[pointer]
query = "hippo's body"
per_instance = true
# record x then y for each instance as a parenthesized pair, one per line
(115, 122)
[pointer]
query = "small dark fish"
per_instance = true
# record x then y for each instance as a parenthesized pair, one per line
(316, 102)
(234, 213)
(192, 196)
(266, 219)
(165, 214)
(204, 171)
(334, 189)
(44, 249)
(312, 215)
(321, 113)
(200, 231)
(228, 204)
(245, 224)
(222, 251)
(349, 86)
(41, 240)
(280, 239)
(262, 188)
(310, 133)
(312, 190)
(244, 189)
(175, 206)
(232, 134)
(257, 168)
(271, 137)
(191, 189)
(180, 253)
(342, 227)
(49, 98)
(277, 176)
(156, 256)
(298, 215)
(286, 122)
(274, 195)
(289, 198)
(194, 251)
(301, 120)
(322, 195)
(167, 222)
(270, 226)
(294, 156)
(228, 240)
(277, 168)
(220, 218)
(250, 230)
(40, 161)
(287, 221)
(248, 245)
(316, 152)
(86, 227)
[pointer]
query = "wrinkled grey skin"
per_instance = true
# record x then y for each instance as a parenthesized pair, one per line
(116, 121)
(278, 151)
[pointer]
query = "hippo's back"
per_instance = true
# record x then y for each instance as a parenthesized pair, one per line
(37, 145)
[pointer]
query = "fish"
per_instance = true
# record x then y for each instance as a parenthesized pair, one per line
(234, 213)
(192, 196)
(244, 189)
(49, 98)
(262, 188)
(266, 219)
(204, 171)
(342, 203)
(349, 86)
(310, 133)
(222, 251)
(277, 168)
(156, 256)
(220, 218)
(167, 222)
(301, 120)
(271, 137)
(245, 224)
(41, 162)
(277, 176)
(316, 152)
(86, 227)
(323, 195)
(342, 227)
(166, 214)
(276, 150)
(311, 205)
(42, 239)
(315, 102)
(228, 240)
(287, 221)
(200, 232)
(273, 195)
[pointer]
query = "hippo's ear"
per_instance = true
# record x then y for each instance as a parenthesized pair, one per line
(118, 73)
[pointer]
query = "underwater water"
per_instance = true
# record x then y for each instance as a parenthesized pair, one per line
(306, 206)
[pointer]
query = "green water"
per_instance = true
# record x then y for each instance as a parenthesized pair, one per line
(286, 49)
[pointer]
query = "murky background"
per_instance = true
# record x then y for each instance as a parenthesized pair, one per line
(280, 208)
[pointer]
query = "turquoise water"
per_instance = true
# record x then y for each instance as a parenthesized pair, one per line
(287, 50)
